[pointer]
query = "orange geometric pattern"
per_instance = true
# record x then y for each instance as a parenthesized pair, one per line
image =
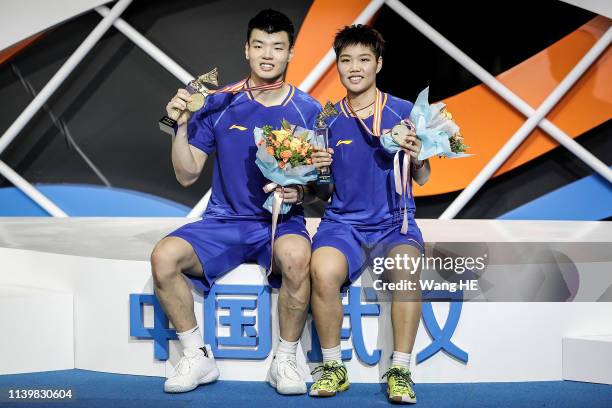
(11, 51)
(487, 121)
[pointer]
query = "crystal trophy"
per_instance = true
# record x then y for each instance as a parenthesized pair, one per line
(321, 139)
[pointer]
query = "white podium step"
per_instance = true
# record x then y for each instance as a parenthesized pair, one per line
(95, 309)
(37, 330)
(588, 359)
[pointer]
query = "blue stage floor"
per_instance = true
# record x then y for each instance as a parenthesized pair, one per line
(93, 389)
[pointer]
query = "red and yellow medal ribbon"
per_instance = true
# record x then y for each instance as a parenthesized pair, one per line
(379, 104)
(242, 86)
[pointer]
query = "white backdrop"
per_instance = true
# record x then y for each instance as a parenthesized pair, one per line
(24, 18)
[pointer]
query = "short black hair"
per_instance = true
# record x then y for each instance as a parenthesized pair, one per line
(272, 21)
(359, 34)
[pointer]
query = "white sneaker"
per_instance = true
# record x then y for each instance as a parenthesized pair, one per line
(285, 376)
(197, 366)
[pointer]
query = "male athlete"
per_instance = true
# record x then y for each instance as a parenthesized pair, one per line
(235, 228)
(365, 212)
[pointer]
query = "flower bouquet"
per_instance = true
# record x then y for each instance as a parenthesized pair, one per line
(435, 128)
(284, 158)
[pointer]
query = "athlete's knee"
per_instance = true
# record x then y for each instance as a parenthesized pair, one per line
(296, 278)
(294, 257)
(295, 269)
(164, 261)
(326, 275)
(410, 269)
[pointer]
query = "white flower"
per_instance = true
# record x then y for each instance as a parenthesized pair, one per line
(296, 144)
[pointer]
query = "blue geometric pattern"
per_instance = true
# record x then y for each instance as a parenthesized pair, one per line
(587, 199)
(89, 201)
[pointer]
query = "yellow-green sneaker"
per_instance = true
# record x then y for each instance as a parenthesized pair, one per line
(333, 379)
(399, 385)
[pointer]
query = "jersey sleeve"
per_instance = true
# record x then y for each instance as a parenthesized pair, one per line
(200, 129)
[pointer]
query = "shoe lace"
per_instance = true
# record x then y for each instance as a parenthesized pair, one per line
(183, 365)
(330, 373)
(289, 368)
(402, 377)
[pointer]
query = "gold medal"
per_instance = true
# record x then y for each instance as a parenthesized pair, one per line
(197, 101)
(399, 132)
(198, 91)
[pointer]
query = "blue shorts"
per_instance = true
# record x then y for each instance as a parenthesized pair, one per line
(222, 245)
(361, 245)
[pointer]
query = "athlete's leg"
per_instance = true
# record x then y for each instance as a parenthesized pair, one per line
(405, 317)
(171, 257)
(405, 305)
(328, 271)
(292, 253)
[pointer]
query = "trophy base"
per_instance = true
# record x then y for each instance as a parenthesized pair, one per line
(324, 179)
(168, 125)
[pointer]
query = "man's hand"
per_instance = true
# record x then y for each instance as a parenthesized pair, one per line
(322, 158)
(291, 194)
(179, 102)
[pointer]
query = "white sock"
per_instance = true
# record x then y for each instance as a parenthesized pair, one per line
(401, 359)
(332, 354)
(191, 338)
(287, 347)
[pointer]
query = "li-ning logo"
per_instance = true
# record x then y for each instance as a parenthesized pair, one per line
(237, 127)
(340, 142)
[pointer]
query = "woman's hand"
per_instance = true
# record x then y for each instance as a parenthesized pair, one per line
(405, 136)
(322, 158)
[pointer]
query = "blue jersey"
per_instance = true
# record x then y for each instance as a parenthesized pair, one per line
(362, 170)
(225, 125)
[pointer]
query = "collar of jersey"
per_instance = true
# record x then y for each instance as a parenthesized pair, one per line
(285, 101)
